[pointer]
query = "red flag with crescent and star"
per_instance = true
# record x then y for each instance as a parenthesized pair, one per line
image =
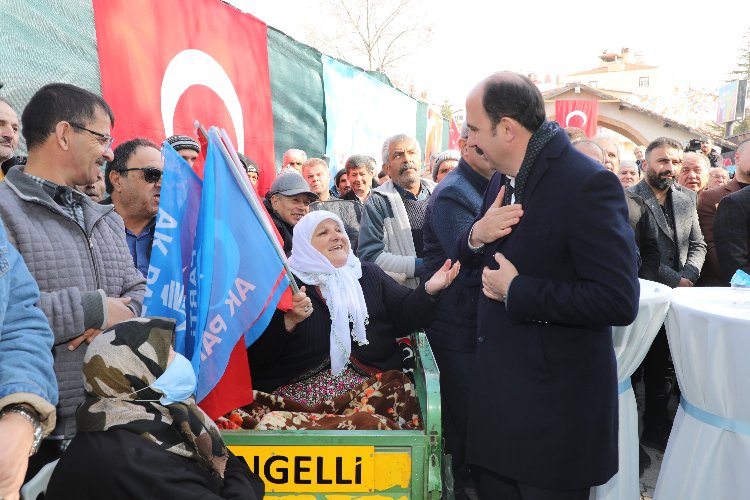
(578, 113)
(455, 134)
(166, 63)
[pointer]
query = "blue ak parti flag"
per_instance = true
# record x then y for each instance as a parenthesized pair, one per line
(173, 244)
(236, 274)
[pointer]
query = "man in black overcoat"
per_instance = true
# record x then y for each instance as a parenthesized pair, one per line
(559, 269)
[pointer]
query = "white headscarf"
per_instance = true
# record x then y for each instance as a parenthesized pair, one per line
(339, 286)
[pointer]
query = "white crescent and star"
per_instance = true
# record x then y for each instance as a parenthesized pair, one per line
(195, 67)
(577, 112)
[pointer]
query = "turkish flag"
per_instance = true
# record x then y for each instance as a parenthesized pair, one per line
(455, 134)
(577, 113)
(165, 63)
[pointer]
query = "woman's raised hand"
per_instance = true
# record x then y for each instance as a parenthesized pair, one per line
(300, 311)
(442, 278)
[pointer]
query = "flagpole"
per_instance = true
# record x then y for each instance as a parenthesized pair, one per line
(200, 129)
(251, 197)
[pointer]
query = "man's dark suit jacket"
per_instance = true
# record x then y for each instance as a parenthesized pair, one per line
(732, 233)
(544, 403)
(690, 244)
(707, 202)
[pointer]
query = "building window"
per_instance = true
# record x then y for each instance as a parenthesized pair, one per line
(643, 81)
(594, 84)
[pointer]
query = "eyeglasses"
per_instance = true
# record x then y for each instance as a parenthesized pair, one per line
(104, 139)
(150, 174)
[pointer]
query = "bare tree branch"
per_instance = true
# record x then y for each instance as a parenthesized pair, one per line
(382, 32)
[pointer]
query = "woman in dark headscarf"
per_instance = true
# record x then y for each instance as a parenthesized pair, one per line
(140, 433)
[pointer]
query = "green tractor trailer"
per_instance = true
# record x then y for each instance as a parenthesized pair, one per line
(349, 465)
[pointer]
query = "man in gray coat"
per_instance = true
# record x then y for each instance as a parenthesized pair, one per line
(391, 231)
(74, 248)
(683, 251)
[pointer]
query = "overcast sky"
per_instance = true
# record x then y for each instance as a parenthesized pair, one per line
(699, 41)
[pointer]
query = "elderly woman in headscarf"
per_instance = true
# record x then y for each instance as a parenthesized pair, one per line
(140, 433)
(339, 339)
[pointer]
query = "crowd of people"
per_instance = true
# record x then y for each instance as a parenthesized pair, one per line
(516, 253)
(689, 231)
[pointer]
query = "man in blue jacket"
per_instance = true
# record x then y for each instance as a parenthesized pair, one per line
(28, 389)
(451, 210)
(559, 268)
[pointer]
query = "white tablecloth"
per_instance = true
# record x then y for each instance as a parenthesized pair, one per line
(631, 345)
(709, 336)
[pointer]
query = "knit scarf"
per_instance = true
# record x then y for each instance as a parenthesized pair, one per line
(118, 368)
(339, 286)
(538, 140)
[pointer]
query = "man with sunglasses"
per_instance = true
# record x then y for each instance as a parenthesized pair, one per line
(133, 181)
(74, 248)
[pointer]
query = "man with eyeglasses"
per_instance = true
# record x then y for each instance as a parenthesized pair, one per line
(682, 252)
(293, 160)
(133, 180)
(74, 248)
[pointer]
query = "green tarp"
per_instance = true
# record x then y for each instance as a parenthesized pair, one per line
(296, 95)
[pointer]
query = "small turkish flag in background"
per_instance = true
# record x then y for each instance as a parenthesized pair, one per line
(455, 134)
(166, 63)
(577, 113)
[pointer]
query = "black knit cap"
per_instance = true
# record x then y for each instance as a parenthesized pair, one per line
(179, 142)
(249, 164)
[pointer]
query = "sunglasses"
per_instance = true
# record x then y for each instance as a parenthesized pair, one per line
(150, 174)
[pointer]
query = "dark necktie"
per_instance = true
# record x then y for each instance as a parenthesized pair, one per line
(508, 196)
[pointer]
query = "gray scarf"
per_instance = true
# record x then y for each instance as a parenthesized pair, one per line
(538, 140)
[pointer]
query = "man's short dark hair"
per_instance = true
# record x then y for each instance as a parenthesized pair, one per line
(359, 161)
(514, 96)
(57, 102)
(122, 155)
(661, 142)
(338, 176)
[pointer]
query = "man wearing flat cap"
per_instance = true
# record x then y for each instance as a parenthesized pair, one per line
(287, 202)
(187, 147)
